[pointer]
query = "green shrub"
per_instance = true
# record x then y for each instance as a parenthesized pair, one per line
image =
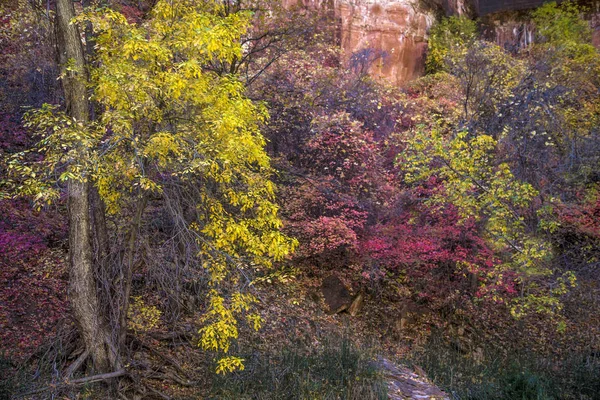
(585, 372)
(516, 383)
(448, 37)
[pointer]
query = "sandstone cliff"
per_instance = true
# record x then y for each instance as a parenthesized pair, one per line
(393, 33)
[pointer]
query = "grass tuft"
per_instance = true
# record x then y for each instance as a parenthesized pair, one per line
(337, 370)
(502, 376)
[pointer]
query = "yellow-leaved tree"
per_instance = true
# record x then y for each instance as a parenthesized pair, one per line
(486, 191)
(167, 124)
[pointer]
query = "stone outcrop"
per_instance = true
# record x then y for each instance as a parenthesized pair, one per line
(515, 30)
(508, 33)
(484, 7)
(338, 297)
(389, 34)
(356, 304)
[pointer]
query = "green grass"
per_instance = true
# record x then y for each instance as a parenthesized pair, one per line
(7, 380)
(338, 370)
(520, 376)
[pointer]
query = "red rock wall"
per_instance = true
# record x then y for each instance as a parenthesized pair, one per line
(397, 30)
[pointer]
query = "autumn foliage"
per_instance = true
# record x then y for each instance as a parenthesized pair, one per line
(223, 154)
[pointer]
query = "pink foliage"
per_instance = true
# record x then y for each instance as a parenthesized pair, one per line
(584, 217)
(322, 219)
(132, 13)
(33, 289)
(352, 208)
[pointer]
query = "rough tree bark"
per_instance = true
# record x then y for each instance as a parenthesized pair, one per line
(100, 230)
(82, 286)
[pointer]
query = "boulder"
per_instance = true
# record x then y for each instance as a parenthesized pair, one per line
(337, 296)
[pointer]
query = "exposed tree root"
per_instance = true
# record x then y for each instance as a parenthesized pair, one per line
(76, 364)
(74, 382)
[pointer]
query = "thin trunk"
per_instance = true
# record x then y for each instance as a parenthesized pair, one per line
(82, 285)
(127, 269)
(98, 208)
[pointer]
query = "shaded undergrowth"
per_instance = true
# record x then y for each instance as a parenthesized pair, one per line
(7, 382)
(335, 370)
(512, 376)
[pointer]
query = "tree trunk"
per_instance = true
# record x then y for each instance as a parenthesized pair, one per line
(97, 206)
(100, 230)
(82, 285)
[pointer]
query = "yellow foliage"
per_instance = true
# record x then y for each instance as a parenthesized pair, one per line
(167, 121)
(230, 364)
(489, 193)
(142, 317)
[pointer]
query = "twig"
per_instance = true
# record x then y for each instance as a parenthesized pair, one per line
(76, 364)
(173, 377)
(157, 392)
(171, 335)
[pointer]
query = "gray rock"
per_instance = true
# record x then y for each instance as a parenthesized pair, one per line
(404, 384)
